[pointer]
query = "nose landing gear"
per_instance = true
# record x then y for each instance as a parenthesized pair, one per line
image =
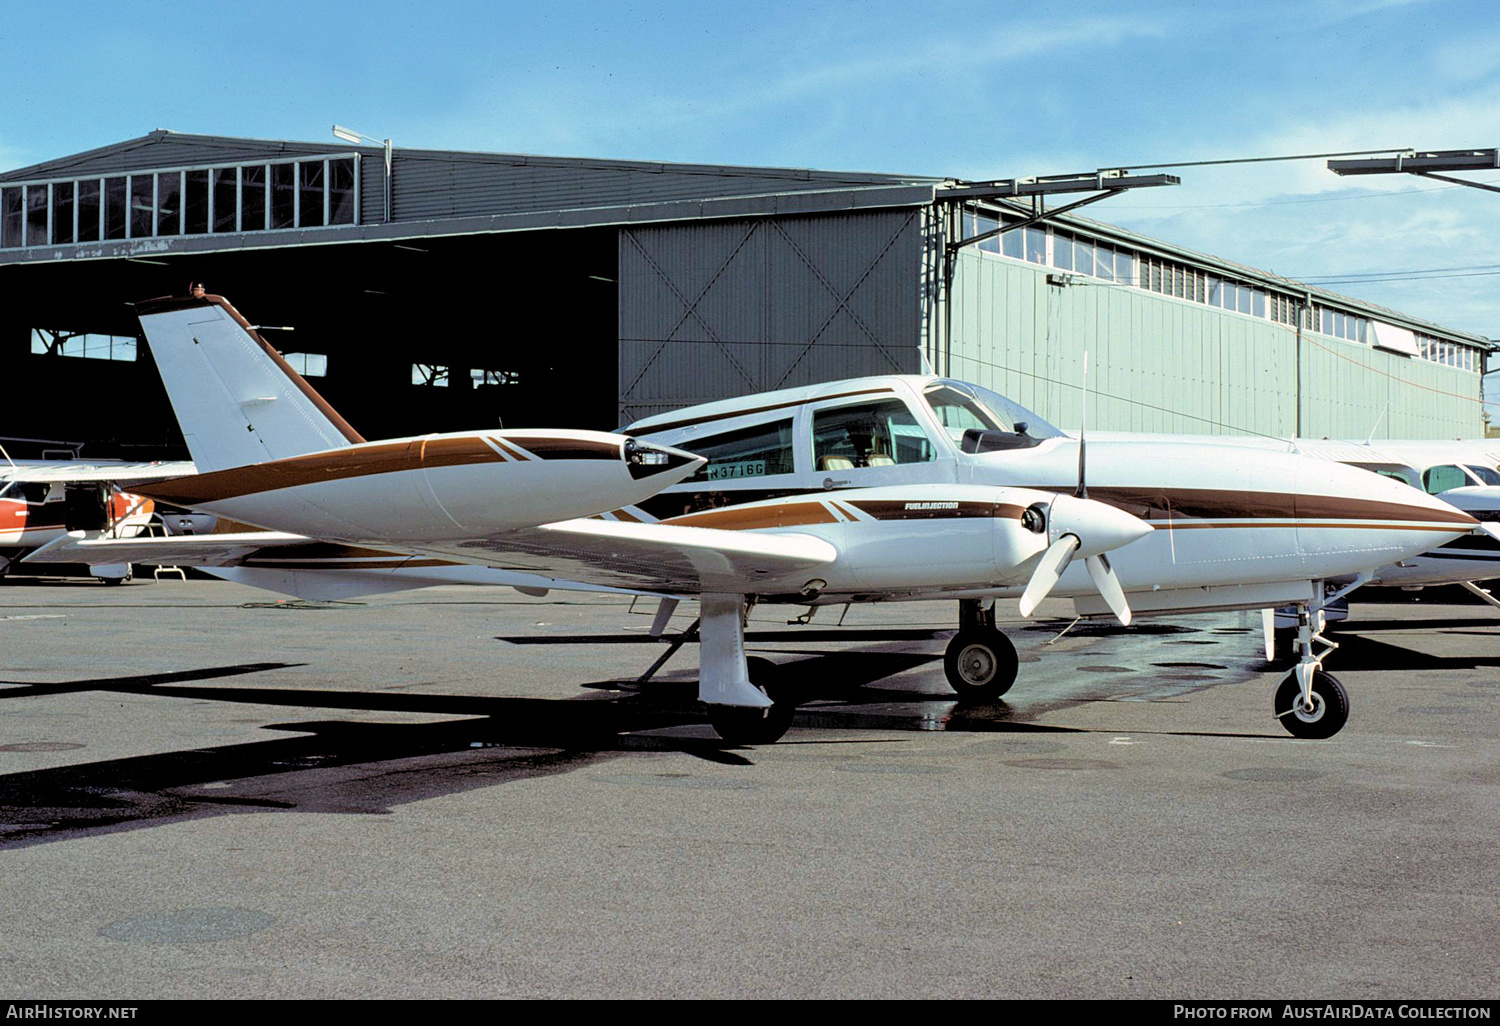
(1310, 702)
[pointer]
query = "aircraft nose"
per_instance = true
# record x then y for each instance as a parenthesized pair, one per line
(1098, 526)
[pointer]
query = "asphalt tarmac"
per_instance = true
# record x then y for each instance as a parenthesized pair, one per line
(454, 793)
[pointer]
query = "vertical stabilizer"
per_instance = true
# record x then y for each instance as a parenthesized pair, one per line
(237, 401)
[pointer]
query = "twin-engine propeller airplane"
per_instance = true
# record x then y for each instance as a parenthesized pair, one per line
(869, 490)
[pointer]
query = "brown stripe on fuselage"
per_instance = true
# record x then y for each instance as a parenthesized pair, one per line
(1177, 504)
(742, 518)
(335, 465)
(653, 429)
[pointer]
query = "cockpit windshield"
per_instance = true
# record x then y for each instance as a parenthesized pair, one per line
(960, 406)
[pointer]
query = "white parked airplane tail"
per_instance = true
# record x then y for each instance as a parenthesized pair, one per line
(236, 399)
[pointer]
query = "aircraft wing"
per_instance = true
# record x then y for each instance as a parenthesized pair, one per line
(173, 550)
(655, 557)
(65, 471)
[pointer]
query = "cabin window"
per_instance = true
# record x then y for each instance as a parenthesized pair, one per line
(1440, 479)
(868, 435)
(758, 451)
(1486, 475)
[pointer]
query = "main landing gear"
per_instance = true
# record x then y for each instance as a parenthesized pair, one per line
(1310, 702)
(980, 662)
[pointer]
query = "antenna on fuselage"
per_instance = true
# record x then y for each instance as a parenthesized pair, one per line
(1082, 491)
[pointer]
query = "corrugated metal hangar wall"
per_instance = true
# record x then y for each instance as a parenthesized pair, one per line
(710, 310)
(1162, 364)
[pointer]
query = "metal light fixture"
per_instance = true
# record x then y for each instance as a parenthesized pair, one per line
(350, 135)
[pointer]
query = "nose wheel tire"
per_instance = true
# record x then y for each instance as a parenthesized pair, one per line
(739, 725)
(1328, 715)
(980, 664)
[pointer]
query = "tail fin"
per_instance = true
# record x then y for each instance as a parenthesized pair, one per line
(236, 399)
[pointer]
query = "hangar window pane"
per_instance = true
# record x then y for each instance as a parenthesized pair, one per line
(1244, 298)
(253, 197)
(480, 376)
(986, 224)
(62, 213)
(1036, 245)
(12, 216)
(309, 365)
(429, 374)
(226, 186)
(169, 203)
(1083, 256)
(310, 193)
(88, 210)
(1257, 302)
(115, 212)
(1125, 267)
(195, 203)
(283, 195)
(341, 191)
(1104, 262)
(142, 205)
(1062, 251)
(758, 451)
(1013, 244)
(36, 215)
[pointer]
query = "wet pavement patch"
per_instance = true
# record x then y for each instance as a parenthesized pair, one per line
(41, 746)
(1273, 774)
(189, 926)
(1192, 666)
(1107, 669)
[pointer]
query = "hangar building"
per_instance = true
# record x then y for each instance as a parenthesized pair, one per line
(441, 290)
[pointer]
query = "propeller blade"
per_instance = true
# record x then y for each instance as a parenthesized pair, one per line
(1054, 561)
(1492, 530)
(1109, 587)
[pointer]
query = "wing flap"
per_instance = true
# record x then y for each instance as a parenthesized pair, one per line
(653, 557)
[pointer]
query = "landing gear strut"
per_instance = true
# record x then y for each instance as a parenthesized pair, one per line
(1310, 702)
(980, 662)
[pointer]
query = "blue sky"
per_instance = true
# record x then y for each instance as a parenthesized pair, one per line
(943, 87)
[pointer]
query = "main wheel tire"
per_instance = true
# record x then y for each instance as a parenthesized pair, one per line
(1330, 707)
(745, 726)
(980, 664)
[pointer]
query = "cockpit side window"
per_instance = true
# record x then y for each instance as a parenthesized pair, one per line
(878, 434)
(1486, 475)
(758, 451)
(1440, 479)
(960, 407)
(1397, 471)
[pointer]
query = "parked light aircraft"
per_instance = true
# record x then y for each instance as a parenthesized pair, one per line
(868, 490)
(41, 500)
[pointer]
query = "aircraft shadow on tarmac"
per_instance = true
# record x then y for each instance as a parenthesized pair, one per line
(365, 768)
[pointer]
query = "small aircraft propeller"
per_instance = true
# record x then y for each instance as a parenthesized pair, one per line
(1078, 521)
(1091, 528)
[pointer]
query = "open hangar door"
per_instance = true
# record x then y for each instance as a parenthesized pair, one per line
(416, 336)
